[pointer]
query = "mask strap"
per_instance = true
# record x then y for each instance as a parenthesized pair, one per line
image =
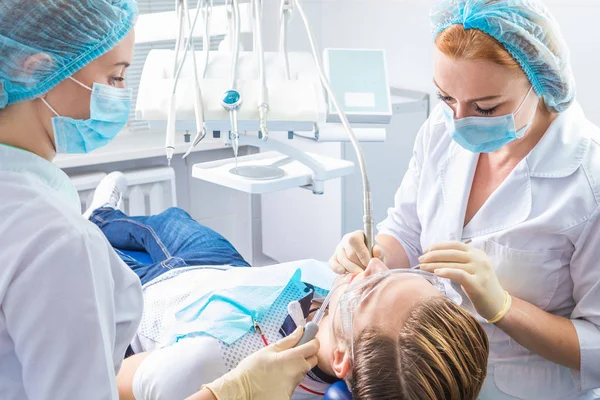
(49, 106)
(524, 100)
(81, 84)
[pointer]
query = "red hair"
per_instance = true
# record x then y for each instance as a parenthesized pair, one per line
(457, 42)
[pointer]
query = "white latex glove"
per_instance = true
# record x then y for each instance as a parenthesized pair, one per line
(352, 254)
(472, 269)
(269, 374)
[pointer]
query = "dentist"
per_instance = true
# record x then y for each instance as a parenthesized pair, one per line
(68, 305)
(509, 162)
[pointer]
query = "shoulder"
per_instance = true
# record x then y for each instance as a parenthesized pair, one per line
(434, 129)
(591, 160)
(34, 222)
(433, 143)
(567, 161)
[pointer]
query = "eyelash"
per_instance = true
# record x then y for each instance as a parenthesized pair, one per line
(477, 108)
(485, 112)
(443, 98)
(117, 79)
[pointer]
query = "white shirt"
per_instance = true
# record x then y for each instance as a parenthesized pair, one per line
(68, 305)
(540, 228)
(177, 371)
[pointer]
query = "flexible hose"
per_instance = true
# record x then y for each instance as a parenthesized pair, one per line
(368, 208)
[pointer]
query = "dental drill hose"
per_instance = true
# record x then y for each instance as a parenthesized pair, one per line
(206, 12)
(368, 208)
(263, 108)
(170, 138)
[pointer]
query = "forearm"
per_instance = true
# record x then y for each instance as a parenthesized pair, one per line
(204, 394)
(394, 253)
(552, 337)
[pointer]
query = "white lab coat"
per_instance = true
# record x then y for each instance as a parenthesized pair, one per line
(541, 229)
(68, 305)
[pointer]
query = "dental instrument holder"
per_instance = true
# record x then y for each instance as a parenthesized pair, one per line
(232, 101)
(264, 108)
(319, 172)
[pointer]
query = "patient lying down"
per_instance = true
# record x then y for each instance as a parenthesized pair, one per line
(405, 340)
(409, 340)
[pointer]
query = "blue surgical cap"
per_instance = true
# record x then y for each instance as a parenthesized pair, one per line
(44, 42)
(530, 34)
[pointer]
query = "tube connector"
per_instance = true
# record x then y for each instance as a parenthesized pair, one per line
(263, 110)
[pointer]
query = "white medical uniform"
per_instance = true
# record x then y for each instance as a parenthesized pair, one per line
(68, 305)
(540, 228)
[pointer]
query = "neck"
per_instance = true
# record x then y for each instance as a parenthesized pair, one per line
(21, 126)
(514, 152)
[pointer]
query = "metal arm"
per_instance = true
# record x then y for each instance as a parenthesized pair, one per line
(319, 171)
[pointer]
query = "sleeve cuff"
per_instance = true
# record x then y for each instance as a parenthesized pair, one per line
(413, 255)
(588, 377)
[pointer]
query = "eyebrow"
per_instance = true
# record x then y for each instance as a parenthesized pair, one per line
(123, 63)
(486, 98)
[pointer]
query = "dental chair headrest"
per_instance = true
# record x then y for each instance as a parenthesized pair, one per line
(338, 391)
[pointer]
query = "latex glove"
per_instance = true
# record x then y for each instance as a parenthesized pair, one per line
(352, 254)
(272, 373)
(472, 269)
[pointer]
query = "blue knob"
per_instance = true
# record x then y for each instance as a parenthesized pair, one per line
(231, 100)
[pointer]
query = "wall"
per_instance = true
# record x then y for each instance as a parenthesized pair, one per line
(402, 28)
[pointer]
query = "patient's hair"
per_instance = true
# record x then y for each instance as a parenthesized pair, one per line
(440, 354)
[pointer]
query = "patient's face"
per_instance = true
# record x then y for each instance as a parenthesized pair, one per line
(386, 308)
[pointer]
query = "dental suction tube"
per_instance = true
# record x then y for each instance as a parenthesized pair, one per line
(199, 105)
(284, 18)
(183, 13)
(263, 106)
(312, 328)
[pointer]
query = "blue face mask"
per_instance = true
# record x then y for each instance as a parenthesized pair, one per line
(109, 113)
(485, 134)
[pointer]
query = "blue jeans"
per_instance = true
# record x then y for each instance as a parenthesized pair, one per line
(172, 239)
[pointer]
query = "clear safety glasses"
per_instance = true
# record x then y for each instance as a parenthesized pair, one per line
(357, 292)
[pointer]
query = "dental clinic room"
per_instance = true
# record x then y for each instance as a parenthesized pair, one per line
(299, 199)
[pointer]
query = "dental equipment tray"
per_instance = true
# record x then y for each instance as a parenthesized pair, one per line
(296, 173)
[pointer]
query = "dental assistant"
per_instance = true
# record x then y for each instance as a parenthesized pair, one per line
(69, 306)
(509, 162)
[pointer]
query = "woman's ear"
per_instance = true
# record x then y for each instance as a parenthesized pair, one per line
(340, 362)
(36, 62)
